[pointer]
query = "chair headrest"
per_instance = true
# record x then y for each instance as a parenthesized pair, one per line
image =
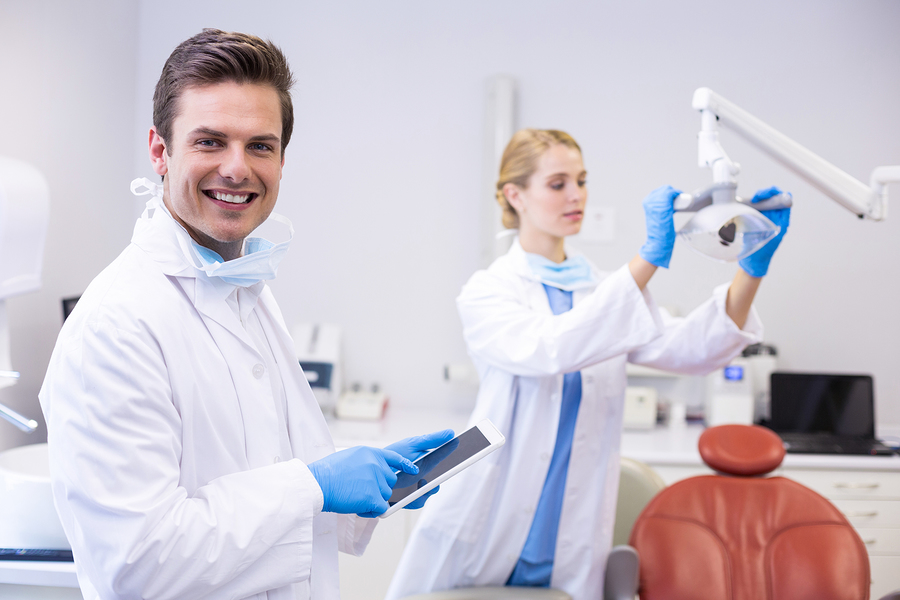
(741, 449)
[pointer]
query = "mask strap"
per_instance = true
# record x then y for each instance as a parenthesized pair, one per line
(148, 186)
(284, 221)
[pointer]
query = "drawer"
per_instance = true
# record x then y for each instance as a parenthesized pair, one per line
(881, 542)
(870, 513)
(846, 484)
(885, 575)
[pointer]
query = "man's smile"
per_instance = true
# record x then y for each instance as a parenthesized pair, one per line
(231, 198)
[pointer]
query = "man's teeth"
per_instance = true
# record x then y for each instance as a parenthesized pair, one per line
(231, 198)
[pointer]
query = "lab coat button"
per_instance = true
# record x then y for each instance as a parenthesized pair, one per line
(258, 371)
(277, 459)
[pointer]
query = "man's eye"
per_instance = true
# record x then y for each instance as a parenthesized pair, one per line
(582, 183)
(207, 143)
(261, 147)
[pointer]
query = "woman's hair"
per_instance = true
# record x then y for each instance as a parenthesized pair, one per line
(520, 160)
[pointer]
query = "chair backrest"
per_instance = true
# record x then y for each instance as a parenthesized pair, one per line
(638, 484)
(743, 536)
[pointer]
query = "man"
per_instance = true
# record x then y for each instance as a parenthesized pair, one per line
(189, 458)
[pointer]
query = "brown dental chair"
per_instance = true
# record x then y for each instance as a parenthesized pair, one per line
(742, 536)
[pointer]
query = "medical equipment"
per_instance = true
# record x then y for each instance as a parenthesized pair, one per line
(640, 407)
(24, 213)
(762, 360)
(742, 230)
(319, 352)
(444, 462)
(730, 395)
(362, 405)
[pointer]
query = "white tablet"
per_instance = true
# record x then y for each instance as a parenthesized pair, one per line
(444, 462)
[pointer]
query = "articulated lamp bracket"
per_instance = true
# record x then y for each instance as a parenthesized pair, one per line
(866, 201)
(727, 227)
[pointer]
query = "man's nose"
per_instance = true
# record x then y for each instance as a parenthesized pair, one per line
(234, 164)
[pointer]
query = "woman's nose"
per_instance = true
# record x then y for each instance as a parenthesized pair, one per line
(577, 193)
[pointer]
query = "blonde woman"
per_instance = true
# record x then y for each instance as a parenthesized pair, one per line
(550, 336)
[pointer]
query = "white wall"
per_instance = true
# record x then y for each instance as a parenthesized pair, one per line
(66, 106)
(384, 176)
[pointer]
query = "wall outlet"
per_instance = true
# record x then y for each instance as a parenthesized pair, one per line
(599, 224)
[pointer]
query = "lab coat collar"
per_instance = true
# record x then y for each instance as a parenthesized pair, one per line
(519, 262)
(157, 233)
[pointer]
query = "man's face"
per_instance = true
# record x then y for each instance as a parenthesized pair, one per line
(223, 164)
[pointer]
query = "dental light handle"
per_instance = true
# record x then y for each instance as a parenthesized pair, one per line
(24, 423)
(700, 199)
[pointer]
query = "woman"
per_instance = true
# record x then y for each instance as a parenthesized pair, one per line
(550, 336)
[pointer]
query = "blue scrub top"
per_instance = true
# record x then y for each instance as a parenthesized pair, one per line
(536, 562)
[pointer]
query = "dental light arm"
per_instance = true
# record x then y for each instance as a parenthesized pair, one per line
(863, 200)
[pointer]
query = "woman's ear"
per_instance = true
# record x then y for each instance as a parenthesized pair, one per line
(514, 196)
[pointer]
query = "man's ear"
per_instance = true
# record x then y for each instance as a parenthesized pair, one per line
(158, 152)
(513, 196)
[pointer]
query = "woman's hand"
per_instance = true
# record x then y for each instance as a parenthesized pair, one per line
(757, 264)
(659, 213)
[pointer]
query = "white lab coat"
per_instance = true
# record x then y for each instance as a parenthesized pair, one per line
(164, 450)
(472, 532)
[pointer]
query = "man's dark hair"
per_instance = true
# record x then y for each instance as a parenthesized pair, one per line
(213, 56)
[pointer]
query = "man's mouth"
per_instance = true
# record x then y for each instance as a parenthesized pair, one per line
(230, 198)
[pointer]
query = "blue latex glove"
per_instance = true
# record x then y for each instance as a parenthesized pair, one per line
(359, 480)
(757, 264)
(414, 447)
(659, 214)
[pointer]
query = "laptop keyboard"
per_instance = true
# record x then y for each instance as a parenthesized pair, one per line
(833, 445)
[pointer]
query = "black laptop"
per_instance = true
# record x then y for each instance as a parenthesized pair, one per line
(825, 413)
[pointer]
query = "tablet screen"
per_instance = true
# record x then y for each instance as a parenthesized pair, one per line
(439, 461)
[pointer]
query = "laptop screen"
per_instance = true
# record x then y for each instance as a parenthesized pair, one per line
(822, 403)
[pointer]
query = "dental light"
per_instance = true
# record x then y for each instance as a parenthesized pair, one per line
(725, 227)
(24, 214)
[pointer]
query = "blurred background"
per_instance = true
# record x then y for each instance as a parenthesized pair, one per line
(385, 177)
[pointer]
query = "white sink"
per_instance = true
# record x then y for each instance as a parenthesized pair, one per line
(28, 517)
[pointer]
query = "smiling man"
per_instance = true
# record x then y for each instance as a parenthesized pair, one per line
(188, 456)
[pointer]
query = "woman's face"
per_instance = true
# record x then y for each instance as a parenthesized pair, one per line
(553, 203)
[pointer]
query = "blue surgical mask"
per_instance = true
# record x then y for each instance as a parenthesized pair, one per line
(571, 274)
(258, 262)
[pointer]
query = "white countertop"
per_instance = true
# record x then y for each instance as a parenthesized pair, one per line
(49, 574)
(678, 446)
(397, 424)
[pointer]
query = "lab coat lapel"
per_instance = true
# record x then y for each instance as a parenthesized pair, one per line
(210, 301)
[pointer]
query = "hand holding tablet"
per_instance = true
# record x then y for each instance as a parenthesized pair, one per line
(443, 463)
(373, 482)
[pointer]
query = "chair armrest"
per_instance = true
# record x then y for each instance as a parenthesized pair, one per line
(622, 571)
